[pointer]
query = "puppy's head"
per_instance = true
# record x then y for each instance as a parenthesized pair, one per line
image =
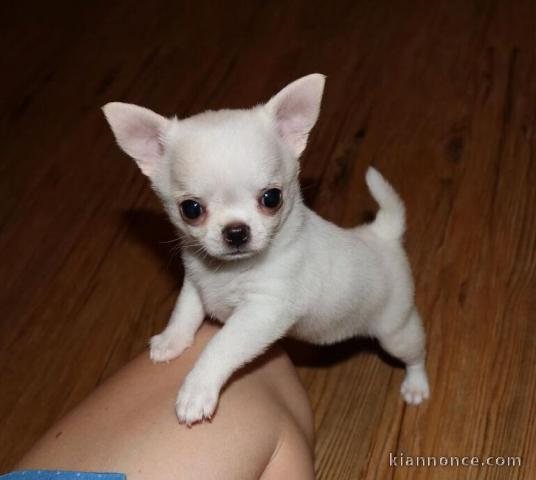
(229, 178)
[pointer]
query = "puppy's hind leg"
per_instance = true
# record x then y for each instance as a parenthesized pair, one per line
(407, 343)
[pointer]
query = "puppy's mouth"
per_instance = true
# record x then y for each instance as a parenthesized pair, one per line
(237, 254)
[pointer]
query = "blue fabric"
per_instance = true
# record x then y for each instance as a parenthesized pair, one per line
(59, 475)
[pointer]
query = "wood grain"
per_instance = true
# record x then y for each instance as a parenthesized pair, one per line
(440, 96)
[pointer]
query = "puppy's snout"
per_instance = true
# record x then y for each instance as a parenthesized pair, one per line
(236, 234)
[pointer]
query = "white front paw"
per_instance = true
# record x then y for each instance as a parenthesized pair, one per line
(164, 348)
(196, 401)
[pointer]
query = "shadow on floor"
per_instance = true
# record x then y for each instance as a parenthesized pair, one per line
(307, 355)
(156, 233)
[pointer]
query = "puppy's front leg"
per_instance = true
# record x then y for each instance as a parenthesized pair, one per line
(251, 329)
(179, 334)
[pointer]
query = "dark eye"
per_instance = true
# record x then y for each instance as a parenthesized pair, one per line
(271, 198)
(191, 209)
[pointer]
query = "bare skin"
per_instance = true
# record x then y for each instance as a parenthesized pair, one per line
(263, 426)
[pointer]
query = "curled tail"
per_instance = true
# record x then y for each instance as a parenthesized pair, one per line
(390, 222)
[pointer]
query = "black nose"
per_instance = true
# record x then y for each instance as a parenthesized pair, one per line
(236, 234)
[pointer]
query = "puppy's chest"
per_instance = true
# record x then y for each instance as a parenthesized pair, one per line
(220, 294)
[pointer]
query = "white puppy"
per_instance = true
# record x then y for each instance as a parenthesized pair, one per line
(256, 258)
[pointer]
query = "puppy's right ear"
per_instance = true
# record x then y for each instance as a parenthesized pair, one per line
(138, 131)
(295, 110)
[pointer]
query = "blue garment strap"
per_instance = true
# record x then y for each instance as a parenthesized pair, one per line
(59, 475)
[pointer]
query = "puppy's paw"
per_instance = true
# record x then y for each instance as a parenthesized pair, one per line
(195, 402)
(164, 348)
(415, 387)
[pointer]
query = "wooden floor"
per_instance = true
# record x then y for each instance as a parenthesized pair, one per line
(441, 97)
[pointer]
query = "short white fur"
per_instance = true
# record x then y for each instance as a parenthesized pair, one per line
(298, 274)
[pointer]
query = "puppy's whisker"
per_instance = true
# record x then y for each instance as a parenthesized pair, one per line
(175, 240)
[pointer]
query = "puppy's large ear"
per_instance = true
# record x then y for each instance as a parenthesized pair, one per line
(295, 110)
(138, 132)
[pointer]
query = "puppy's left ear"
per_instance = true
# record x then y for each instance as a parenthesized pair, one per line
(295, 110)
